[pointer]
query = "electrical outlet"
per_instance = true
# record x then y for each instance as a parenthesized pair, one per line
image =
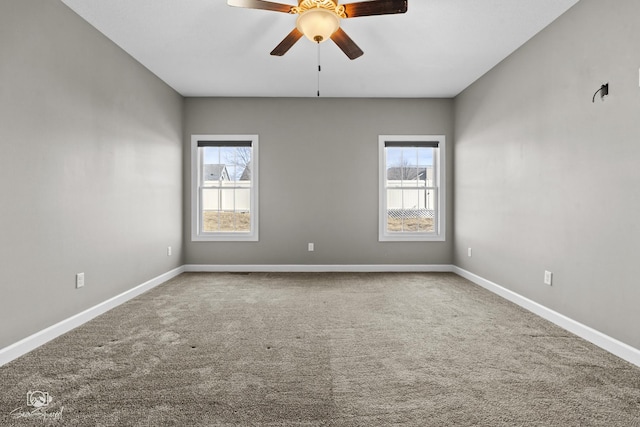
(311, 247)
(169, 251)
(547, 277)
(79, 280)
(469, 252)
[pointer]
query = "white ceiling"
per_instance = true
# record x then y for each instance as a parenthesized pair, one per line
(206, 48)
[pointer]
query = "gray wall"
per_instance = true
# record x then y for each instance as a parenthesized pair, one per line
(90, 168)
(547, 180)
(318, 177)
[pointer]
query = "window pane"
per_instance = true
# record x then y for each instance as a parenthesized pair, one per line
(410, 166)
(243, 200)
(408, 221)
(410, 210)
(226, 163)
(410, 204)
(224, 221)
(226, 192)
(211, 199)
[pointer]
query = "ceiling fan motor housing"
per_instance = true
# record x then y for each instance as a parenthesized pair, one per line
(304, 5)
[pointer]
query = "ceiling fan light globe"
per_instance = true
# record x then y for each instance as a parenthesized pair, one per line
(318, 24)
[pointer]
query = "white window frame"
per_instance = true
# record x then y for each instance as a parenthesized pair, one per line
(438, 235)
(197, 234)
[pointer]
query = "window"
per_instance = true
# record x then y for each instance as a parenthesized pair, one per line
(412, 188)
(224, 173)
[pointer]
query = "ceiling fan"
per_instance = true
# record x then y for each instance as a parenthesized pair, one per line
(319, 20)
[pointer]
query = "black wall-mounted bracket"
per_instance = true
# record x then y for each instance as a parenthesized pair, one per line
(604, 91)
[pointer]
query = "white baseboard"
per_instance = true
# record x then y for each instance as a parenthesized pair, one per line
(609, 344)
(312, 268)
(618, 348)
(34, 341)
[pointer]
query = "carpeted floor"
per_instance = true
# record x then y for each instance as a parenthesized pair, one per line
(320, 349)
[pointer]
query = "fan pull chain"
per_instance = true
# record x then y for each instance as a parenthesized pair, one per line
(319, 69)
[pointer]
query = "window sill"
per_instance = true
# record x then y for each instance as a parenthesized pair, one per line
(411, 238)
(225, 237)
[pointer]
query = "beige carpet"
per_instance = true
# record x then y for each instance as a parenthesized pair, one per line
(320, 349)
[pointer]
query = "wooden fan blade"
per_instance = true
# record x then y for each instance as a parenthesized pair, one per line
(375, 7)
(261, 4)
(347, 45)
(286, 44)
